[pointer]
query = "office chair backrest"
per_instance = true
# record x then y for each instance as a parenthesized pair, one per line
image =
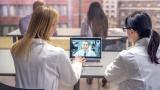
(114, 44)
(6, 87)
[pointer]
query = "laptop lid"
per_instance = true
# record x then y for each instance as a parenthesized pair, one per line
(88, 47)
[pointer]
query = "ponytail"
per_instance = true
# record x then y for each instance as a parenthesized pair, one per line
(153, 47)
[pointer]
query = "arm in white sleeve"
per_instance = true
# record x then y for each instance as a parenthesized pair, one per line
(69, 73)
(116, 72)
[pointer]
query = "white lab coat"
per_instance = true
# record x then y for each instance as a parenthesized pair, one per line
(132, 69)
(45, 66)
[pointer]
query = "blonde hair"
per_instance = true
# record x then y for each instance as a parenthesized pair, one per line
(40, 26)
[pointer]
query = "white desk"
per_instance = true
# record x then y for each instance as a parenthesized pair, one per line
(7, 65)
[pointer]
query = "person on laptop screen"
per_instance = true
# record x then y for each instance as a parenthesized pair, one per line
(85, 50)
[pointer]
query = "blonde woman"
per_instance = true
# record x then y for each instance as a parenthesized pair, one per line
(38, 64)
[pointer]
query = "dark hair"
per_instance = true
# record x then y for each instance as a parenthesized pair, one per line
(37, 4)
(141, 23)
(98, 20)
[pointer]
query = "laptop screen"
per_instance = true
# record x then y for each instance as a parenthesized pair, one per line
(88, 47)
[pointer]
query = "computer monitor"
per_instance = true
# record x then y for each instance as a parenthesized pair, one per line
(88, 47)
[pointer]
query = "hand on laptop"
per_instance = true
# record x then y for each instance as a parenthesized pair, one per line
(79, 59)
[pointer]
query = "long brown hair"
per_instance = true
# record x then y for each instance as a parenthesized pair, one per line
(97, 20)
(40, 26)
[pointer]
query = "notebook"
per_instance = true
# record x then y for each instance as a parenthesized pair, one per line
(88, 47)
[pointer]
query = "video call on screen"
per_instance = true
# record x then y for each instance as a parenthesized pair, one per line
(93, 45)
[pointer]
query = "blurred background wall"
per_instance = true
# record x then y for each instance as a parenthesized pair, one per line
(73, 11)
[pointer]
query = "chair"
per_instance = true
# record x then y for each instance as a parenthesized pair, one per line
(114, 43)
(6, 87)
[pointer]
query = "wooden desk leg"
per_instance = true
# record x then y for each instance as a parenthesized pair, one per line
(76, 86)
(14, 39)
(99, 84)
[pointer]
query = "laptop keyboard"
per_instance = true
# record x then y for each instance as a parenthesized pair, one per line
(92, 64)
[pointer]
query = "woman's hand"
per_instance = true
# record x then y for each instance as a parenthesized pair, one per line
(79, 59)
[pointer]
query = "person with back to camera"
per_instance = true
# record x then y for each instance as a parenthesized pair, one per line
(95, 25)
(139, 67)
(24, 21)
(39, 64)
(96, 22)
(85, 51)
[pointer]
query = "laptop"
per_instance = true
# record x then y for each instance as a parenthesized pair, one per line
(88, 47)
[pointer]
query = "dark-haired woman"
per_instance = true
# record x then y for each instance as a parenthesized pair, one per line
(95, 25)
(96, 22)
(137, 68)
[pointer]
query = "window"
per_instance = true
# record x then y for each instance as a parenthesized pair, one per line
(63, 25)
(63, 10)
(3, 10)
(130, 5)
(129, 13)
(158, 16)
(148, 5)
(122, 5)
(20, 10)
(12, 10)
(107, 11)
(5, 30)
(56, 7)
(112, 6)
(158, 5)
(112, 16)
(106, 1)
(122, 14)
(122, 23)
(112, 11)
(107, 6)
(112, 1)
(139, 4)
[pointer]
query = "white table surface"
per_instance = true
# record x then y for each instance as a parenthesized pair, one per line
(7, 64)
